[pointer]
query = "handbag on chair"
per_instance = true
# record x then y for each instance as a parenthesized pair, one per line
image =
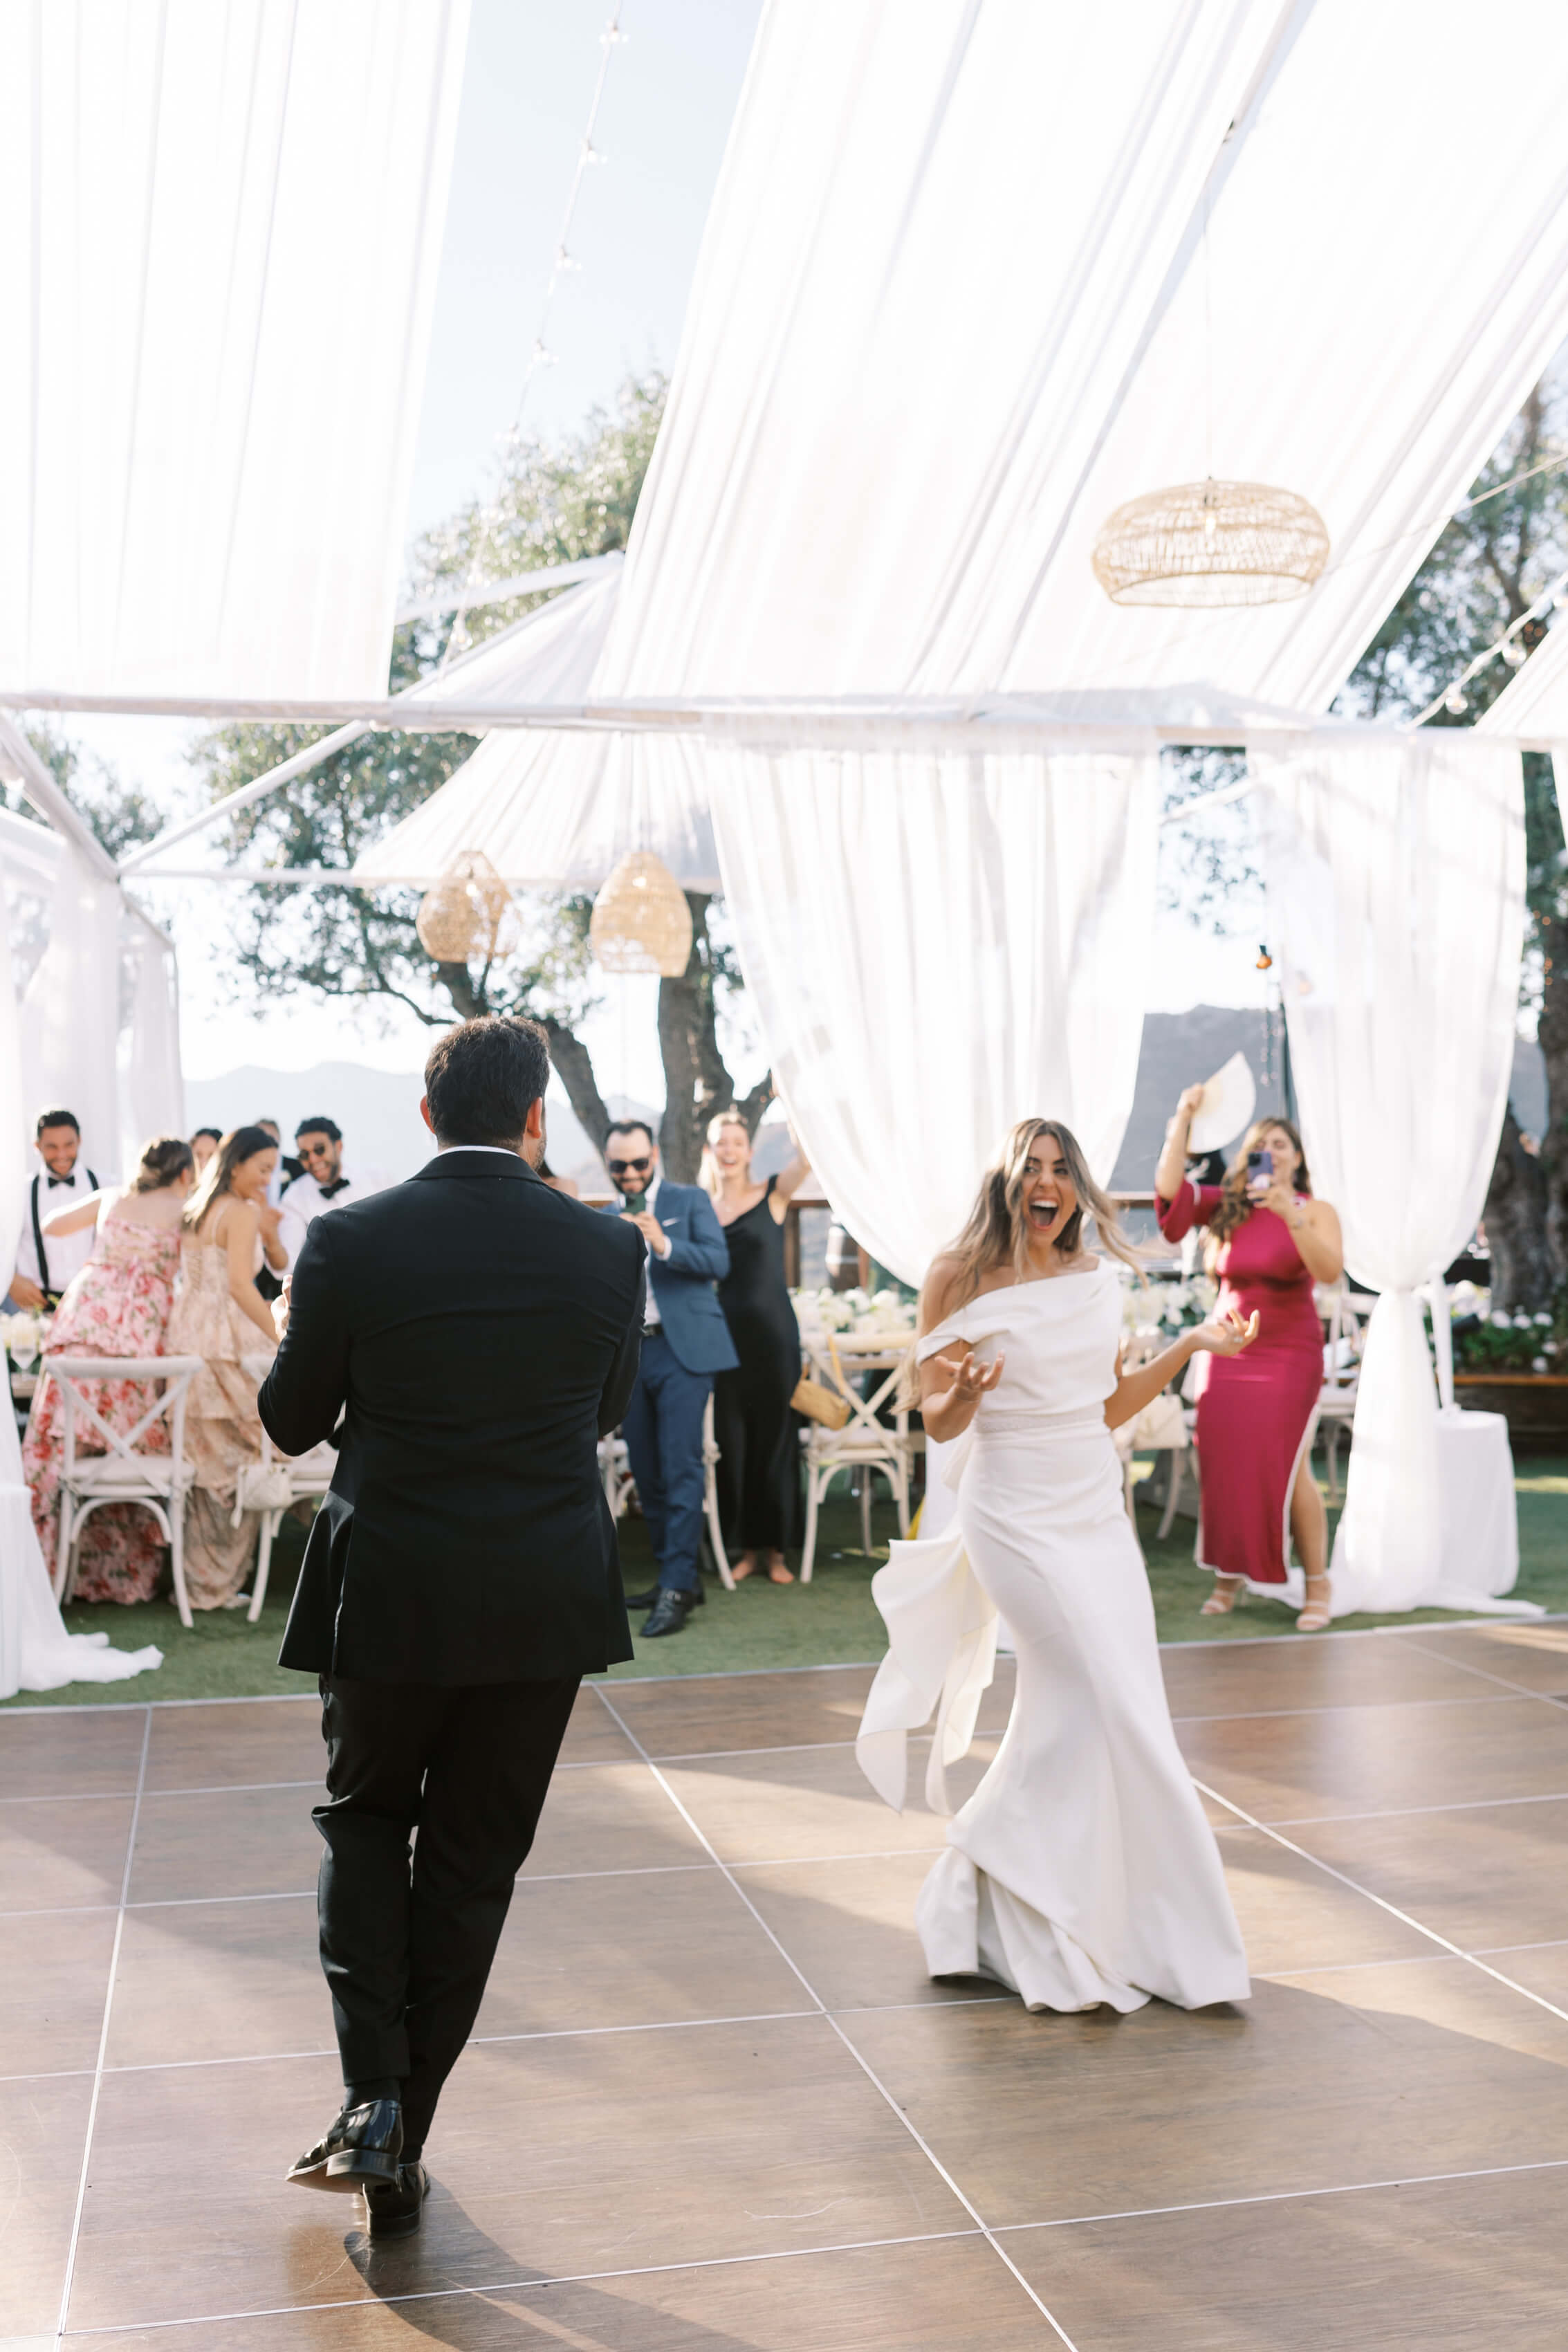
(816, 1402)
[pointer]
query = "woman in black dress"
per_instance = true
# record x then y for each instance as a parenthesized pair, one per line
(751, 1417)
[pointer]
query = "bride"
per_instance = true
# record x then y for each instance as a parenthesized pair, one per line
(1082, 1870)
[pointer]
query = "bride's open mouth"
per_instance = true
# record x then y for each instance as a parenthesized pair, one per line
(1042, 1214)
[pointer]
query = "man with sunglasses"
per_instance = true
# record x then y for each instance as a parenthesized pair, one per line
(325, 1182)
(685, 1341)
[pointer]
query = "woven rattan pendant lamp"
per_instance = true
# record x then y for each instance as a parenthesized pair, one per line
(467, 913)
(641, 921)
(1211, 542)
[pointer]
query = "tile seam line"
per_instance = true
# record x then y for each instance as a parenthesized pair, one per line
(371, 2301)
(1517, 1690)
(905, 2121)
(805, 2253)
(79, 2208)
(1290, 2196)
(551, 2033)
(1507, 1692)
(829, 1666)
(1469, 1959)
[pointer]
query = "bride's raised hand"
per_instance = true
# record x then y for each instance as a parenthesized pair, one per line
(971, 1378)
(1226, 1335)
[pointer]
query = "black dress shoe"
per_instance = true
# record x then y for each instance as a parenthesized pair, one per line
(394, 2207)
(670, 1613)
(650, 1600)
(364, 2144)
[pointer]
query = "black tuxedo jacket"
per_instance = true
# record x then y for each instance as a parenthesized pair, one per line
(477, 1333)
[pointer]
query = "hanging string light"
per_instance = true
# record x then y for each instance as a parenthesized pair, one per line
(641, 921)
(540, 355)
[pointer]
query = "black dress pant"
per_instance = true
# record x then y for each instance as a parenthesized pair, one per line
(406, 1945)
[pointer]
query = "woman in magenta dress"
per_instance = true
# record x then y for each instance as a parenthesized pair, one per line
(1269, 1242)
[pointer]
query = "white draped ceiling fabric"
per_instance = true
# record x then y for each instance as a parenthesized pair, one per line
(1396, 880)
(219, 233)
(936, 949)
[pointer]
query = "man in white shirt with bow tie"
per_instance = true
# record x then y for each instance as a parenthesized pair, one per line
(325, 1184)
(44, 1265)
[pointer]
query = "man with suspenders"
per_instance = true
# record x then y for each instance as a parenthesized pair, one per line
(44, 1267)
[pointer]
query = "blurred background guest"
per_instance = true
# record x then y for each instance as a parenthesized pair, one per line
(567, 1184)
(221, 1315)
(758, 1468)
(1268, 1241)
(118, 1304)
(324, 1183)
(44, 1267)
(204, 1143)
(287, 1166)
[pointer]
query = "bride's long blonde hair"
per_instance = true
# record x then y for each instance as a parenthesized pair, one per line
(997, 1231)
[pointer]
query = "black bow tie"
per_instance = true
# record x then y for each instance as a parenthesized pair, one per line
(69, 1182)
(327, 1191)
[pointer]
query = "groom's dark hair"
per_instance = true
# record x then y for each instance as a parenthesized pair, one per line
(483, 1078)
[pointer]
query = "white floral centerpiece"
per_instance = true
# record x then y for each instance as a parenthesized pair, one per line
(26, 1334)
(865, 1318)
(1155, 1309)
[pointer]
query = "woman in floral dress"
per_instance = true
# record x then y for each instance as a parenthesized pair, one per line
(220, 1315)
(119, 1305)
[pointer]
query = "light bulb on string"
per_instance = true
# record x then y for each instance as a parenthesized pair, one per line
(1456, 701)
(1513, 652)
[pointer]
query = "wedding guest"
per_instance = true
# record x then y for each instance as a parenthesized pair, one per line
(325, 1183)
(567, 1184)
(287, 1166)
(204, 1143)
(684, 1343)
(220, 1315)
(759, 1464)
(118, 1304)
(1268, 1241)
(45, 1268)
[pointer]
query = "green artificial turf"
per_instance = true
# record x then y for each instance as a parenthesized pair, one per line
(830, 1622)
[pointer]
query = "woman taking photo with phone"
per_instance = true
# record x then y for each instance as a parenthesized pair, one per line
(1268, 1241)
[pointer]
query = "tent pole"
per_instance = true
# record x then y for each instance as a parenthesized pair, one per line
(17, 753)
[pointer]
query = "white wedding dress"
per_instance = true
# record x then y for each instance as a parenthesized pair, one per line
(1081, 1871)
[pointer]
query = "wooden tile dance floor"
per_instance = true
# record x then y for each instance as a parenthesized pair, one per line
(714, 2103)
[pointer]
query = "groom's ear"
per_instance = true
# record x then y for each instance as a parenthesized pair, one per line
(533, 1125)
(424, 1112)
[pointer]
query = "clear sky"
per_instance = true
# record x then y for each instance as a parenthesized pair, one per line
(669, 98)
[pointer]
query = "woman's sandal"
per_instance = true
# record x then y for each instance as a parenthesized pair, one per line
(1315, 1616)
(1227, 1591)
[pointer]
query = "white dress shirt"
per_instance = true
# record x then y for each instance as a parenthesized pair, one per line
(302, 1203)
(66, 1253)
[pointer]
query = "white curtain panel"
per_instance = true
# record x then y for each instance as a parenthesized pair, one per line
(935, 949)
(151, 1086)
(973, 277)
(219, 234)
(1396, 883)
(70, 1015)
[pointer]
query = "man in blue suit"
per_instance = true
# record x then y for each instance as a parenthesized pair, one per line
(685, 1341)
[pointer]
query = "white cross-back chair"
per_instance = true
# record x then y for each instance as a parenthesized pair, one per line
(1342, 1377)
(309, 1476)
(120, 1473)
(864, 1444)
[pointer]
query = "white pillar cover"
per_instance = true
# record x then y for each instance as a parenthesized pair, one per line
(151, 1086)
(936, 948)
(71, 1020)
(1396, 880)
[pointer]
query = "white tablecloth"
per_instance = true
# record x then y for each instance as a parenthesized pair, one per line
(1479, 1514)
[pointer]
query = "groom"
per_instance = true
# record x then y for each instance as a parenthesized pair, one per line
(475, 1332)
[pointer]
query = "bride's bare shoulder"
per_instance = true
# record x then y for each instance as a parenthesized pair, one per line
(939, 1293)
